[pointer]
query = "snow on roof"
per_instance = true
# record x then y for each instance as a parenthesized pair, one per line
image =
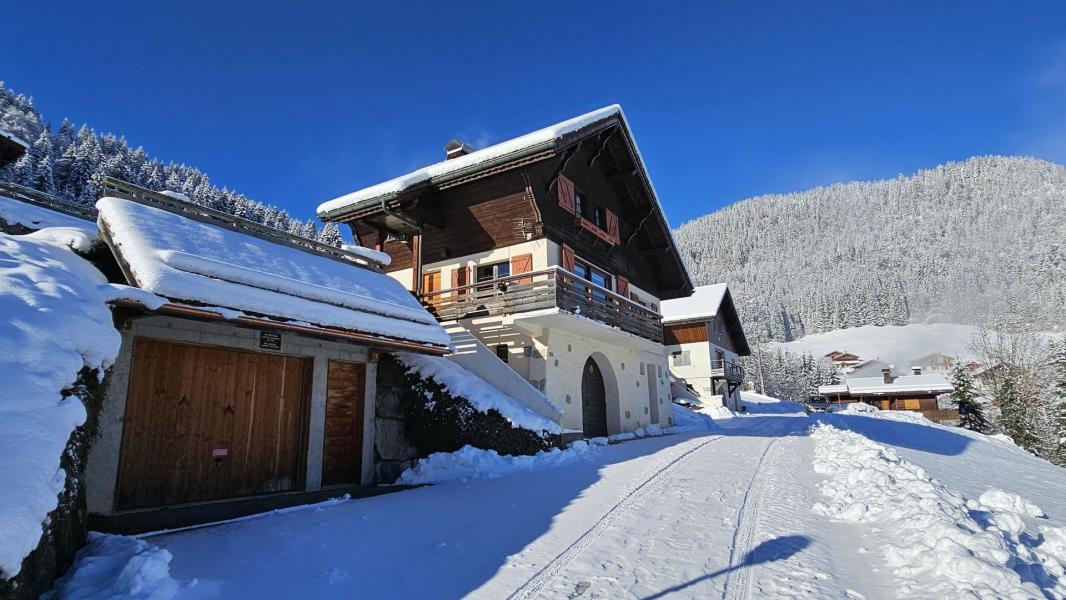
(702, 304)
(31, 216)
(903, 383)
(403, 182)
(14, 138)
(183, 259)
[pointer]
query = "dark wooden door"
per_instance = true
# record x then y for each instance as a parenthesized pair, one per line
(210, 423)
(593, 401)
(342, 445)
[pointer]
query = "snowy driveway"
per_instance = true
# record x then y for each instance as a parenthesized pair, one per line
(719, 514)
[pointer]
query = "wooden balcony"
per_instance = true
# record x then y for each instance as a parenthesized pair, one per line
(548, 289)
(724, 369)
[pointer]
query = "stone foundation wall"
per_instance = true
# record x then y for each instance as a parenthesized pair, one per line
(393, 452)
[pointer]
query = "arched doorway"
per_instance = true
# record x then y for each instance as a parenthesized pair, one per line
(593, 401)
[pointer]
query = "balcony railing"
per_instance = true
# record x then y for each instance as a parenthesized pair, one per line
(538, 290)
(730, 371)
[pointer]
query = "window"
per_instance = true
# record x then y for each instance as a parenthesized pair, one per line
(591, 273)
(682, 359)
(491, 272)
(592, 212)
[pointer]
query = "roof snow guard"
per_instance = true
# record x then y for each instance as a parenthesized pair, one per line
(208, 268)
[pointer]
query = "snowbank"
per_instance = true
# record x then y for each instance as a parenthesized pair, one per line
(115, 566)
(31, 216)
(938, 543)
(56, 322)
(758, 404)
(686, 419)
(470, 463)
(481, 394)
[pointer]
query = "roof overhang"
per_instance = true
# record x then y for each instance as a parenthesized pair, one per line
(209, 314)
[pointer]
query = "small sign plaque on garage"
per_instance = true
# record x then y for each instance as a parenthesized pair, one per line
(270, 340)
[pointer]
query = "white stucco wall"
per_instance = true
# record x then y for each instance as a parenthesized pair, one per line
(628, 397)
(698, 372)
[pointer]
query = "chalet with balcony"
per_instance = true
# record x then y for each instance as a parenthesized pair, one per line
(704, 341)
(547, 258)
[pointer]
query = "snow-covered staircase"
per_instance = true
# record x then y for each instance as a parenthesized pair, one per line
(472, 355)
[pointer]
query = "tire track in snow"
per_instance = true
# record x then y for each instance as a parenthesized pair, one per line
(657, 472)
(738, 579)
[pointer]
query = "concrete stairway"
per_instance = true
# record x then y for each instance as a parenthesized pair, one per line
(475, 357)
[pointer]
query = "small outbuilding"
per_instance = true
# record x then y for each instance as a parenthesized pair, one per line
(248, 360)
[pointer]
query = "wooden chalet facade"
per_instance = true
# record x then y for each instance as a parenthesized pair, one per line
(552, 252)
(704, 339)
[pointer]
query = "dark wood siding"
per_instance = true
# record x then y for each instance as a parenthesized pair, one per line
(685, 333)
(474, 217)
(211, 423)
(342, 444)
(603, 174)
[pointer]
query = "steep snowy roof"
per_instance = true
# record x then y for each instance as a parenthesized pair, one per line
(502, 150)
(903, 383)
(187, 260)
(702, 304)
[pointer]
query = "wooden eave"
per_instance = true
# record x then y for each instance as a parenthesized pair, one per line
(253, 322)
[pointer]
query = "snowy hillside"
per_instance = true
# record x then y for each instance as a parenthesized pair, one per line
(958, 243)
(846, 505)
(896, 345)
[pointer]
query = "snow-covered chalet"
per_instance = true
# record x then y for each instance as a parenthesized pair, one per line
(704, 340)
(547, 258)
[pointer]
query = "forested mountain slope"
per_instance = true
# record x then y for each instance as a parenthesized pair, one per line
(69, 163)
(966, 242)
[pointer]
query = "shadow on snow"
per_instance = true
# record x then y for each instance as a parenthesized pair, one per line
(448, 540)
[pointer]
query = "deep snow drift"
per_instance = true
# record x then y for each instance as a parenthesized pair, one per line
(56, 322)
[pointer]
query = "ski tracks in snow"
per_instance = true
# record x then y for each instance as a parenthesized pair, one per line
(653, 476)
(745, 538)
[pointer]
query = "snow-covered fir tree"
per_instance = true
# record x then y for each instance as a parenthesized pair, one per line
(787, 375)
(958, 243)
(70, 165)
(965, 398)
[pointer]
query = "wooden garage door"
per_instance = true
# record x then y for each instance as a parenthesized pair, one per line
(342, 444)
(210, 423)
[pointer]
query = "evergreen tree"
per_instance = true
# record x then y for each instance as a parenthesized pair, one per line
(971, 414)
(1013, 414)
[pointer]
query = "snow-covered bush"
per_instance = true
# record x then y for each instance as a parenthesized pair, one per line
(438, 421)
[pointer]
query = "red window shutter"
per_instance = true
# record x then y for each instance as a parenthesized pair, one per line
(567, 193)
(567, 261)
(459, 278)
(523, 263)
(612, 227)
(623, 286)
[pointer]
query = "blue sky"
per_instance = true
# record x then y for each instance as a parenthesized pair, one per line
(295, 103)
